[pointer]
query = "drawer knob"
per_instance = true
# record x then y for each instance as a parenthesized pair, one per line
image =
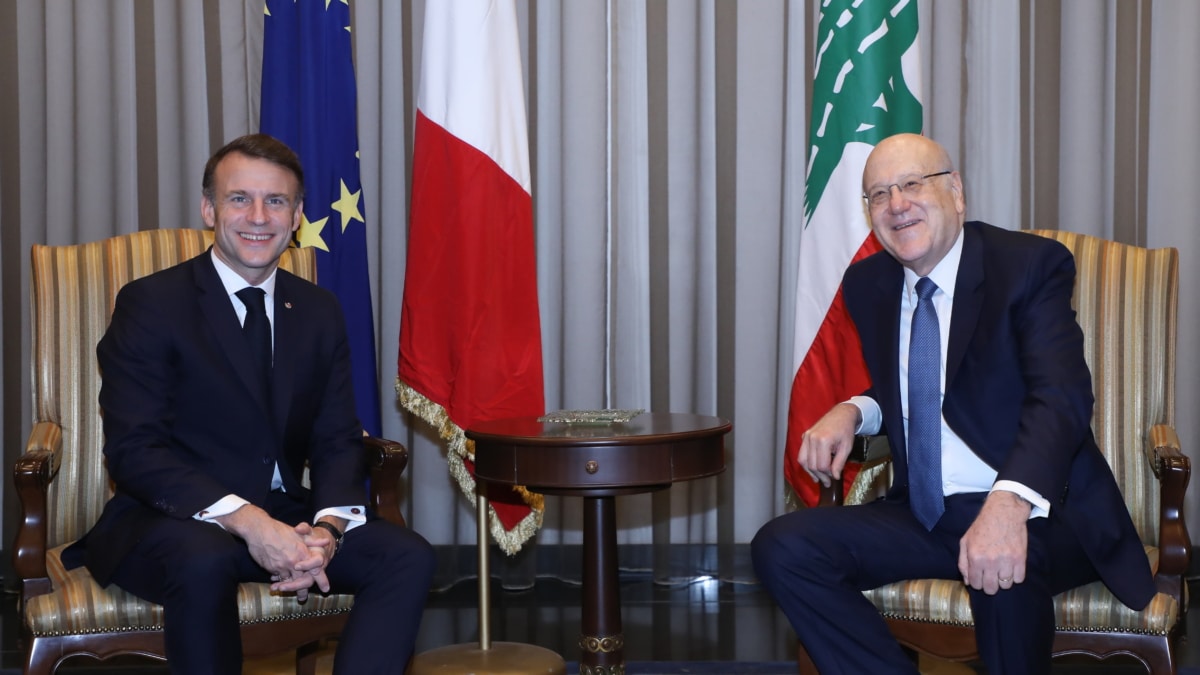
(592, 466)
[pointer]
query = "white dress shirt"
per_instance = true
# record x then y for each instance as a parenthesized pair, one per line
(962, 469)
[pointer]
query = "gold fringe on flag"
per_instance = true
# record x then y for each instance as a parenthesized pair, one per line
(862, 489)
(459, 447)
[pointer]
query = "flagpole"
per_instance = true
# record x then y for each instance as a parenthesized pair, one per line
(485, 577)
(498, 658)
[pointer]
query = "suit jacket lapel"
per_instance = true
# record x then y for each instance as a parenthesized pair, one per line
(288, 324)
(889, 287)
(222, 319)
(968, 302)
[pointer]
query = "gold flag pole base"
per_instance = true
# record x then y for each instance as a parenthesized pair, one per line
(487, 657)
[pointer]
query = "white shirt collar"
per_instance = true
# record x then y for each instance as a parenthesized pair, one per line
(233, 282)
(944, 274)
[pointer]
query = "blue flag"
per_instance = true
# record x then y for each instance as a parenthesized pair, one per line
(308, 102)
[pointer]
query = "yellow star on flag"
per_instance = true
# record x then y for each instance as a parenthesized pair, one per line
(310, 233)
(347, 205)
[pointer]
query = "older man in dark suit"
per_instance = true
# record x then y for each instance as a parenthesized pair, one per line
(223, 377)
(979, 381)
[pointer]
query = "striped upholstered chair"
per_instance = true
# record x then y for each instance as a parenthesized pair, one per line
(1125, 299)
(62, 485)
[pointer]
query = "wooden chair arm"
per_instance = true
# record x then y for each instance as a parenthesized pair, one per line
(32, 474)
(1174, 470)
(830, 495)
(867, 451)
(386, 461)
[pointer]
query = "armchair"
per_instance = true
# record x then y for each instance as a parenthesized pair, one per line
(62, 486)
(1125, 299)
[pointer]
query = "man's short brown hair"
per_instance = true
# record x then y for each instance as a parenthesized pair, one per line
(261, 146)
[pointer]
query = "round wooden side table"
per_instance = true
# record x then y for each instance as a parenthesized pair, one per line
(599, 462)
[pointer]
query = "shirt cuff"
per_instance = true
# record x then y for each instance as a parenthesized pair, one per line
(872, 416)
(353, 515)
(223, 507)
(1041, 507)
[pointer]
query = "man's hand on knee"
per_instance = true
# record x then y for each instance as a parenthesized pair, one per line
(992, 553)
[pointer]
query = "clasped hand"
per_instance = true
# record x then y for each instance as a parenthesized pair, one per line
(296, 557)
(309, 569)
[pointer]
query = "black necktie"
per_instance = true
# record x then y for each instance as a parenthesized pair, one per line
(925, 409)
(257, 329)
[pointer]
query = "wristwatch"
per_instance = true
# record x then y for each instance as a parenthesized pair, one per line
(332, 530)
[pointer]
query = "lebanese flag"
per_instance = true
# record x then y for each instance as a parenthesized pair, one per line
(470, 336)
(865, 89)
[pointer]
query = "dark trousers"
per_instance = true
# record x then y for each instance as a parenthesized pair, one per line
(816, 563)
(193, 568)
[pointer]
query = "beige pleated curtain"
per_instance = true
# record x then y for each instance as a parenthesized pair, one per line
(668, 142)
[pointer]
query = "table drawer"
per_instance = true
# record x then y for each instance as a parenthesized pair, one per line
(578, 467)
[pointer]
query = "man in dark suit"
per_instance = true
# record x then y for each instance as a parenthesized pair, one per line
(206, 439)
(997, 477)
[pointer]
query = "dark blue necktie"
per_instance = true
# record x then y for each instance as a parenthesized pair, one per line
(925, 409)
(257, 329)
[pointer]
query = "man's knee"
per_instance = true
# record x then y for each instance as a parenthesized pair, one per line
(783, 543)
(413, 552)
(764, 548)
(392, 549)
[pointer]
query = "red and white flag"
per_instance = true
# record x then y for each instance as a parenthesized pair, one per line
(470, 336)
(865, 89)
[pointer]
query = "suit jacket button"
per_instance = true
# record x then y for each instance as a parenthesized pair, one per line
(266, 459)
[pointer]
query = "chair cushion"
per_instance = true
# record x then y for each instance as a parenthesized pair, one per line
(79, 605)
(1089, 608)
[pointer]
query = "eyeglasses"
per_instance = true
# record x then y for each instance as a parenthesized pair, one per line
(910, 187)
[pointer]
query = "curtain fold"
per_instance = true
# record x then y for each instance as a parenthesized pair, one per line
(668, 144)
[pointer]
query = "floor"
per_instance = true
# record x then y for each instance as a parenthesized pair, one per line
(702, 621)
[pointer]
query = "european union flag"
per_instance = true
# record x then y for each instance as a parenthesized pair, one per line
(308, 102)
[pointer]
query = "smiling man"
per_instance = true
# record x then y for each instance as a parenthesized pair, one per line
(979, 381)
(253, 206)
(223, 378)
